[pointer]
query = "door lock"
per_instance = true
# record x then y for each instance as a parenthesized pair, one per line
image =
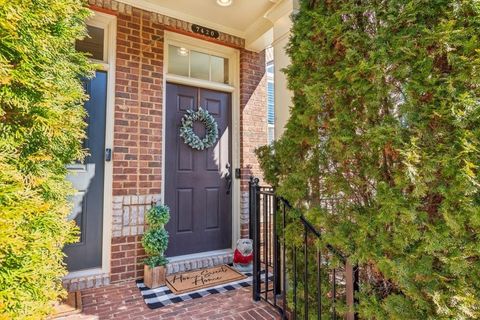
(108, 154)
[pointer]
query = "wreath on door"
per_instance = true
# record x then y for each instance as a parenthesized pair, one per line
(190, 137)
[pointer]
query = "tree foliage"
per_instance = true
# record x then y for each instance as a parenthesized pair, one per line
(41, 131)
(386, 116)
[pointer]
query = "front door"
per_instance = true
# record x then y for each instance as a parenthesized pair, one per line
(197, 183)
(87, 178)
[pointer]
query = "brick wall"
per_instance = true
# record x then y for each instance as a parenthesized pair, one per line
(127, 258)
(137, 153)
(128, 216)
(253, 123)
(128, 224)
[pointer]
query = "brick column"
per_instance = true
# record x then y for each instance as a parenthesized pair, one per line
(253, 123)
(137, 160)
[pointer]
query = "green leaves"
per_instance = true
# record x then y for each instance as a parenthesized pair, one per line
(41, 131)
(158, 216)
(188, 134)
(386, 116)
(156, 261)
(155, 239)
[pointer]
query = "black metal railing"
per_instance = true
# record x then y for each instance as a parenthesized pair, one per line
(301, 279)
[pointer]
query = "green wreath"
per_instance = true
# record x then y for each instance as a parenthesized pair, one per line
(190, 137)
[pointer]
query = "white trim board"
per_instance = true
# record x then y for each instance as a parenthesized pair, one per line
(233, 86)
(111, 27)
(84, 273)
(173, 78)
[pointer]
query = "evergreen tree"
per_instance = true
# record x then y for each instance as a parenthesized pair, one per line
(386, 116)
(41, 131)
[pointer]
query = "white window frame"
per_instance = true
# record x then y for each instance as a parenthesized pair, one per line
(202, 46)
(190, 63)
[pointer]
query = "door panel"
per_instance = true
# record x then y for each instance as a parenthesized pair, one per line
(213, 203)
(88, 179)
(184, 210)
(195, 184)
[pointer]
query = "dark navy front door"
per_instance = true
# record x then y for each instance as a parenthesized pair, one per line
(88, 179)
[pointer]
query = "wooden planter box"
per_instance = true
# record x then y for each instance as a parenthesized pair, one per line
(154, 277)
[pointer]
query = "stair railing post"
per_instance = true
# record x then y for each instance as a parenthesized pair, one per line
(250, 207)
(276, 251)
(255, 227)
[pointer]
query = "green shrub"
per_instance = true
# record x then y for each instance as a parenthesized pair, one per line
(155, 239)
(386, 115)
(41, 130)
(158, 216)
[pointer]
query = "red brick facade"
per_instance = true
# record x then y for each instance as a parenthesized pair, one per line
(253, 117)
(137, 153)
(127, 256)
(137, 158)
(253, 122)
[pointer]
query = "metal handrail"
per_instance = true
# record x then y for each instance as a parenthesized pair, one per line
(317, 232)
(264, 209)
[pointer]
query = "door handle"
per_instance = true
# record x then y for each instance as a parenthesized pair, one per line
(228, 178)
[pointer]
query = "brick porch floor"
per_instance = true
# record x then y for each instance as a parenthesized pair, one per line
(123, 301)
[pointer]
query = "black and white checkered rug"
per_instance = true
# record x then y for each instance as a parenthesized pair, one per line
(163, 296)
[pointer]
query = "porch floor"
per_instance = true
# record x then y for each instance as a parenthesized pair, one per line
(124, 301)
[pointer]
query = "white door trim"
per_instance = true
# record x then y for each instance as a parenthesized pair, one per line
(233, 87)
(107, 22)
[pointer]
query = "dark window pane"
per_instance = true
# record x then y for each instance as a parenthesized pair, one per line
(92, 44)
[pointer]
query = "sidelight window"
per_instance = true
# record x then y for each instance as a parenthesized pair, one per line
(194, 64)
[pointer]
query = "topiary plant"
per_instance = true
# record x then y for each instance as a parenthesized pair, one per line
(155, 239)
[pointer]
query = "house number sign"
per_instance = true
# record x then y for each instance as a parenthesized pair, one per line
(205, 31)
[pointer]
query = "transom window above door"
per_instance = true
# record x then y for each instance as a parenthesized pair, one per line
(94, 43)
(198, 65)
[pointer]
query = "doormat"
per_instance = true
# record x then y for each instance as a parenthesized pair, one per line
(163, 296)
(199, 279)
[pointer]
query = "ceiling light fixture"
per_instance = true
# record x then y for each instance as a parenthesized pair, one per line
(224, 3)
(182, 51)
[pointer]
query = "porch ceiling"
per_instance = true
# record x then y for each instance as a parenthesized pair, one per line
(244, 18)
